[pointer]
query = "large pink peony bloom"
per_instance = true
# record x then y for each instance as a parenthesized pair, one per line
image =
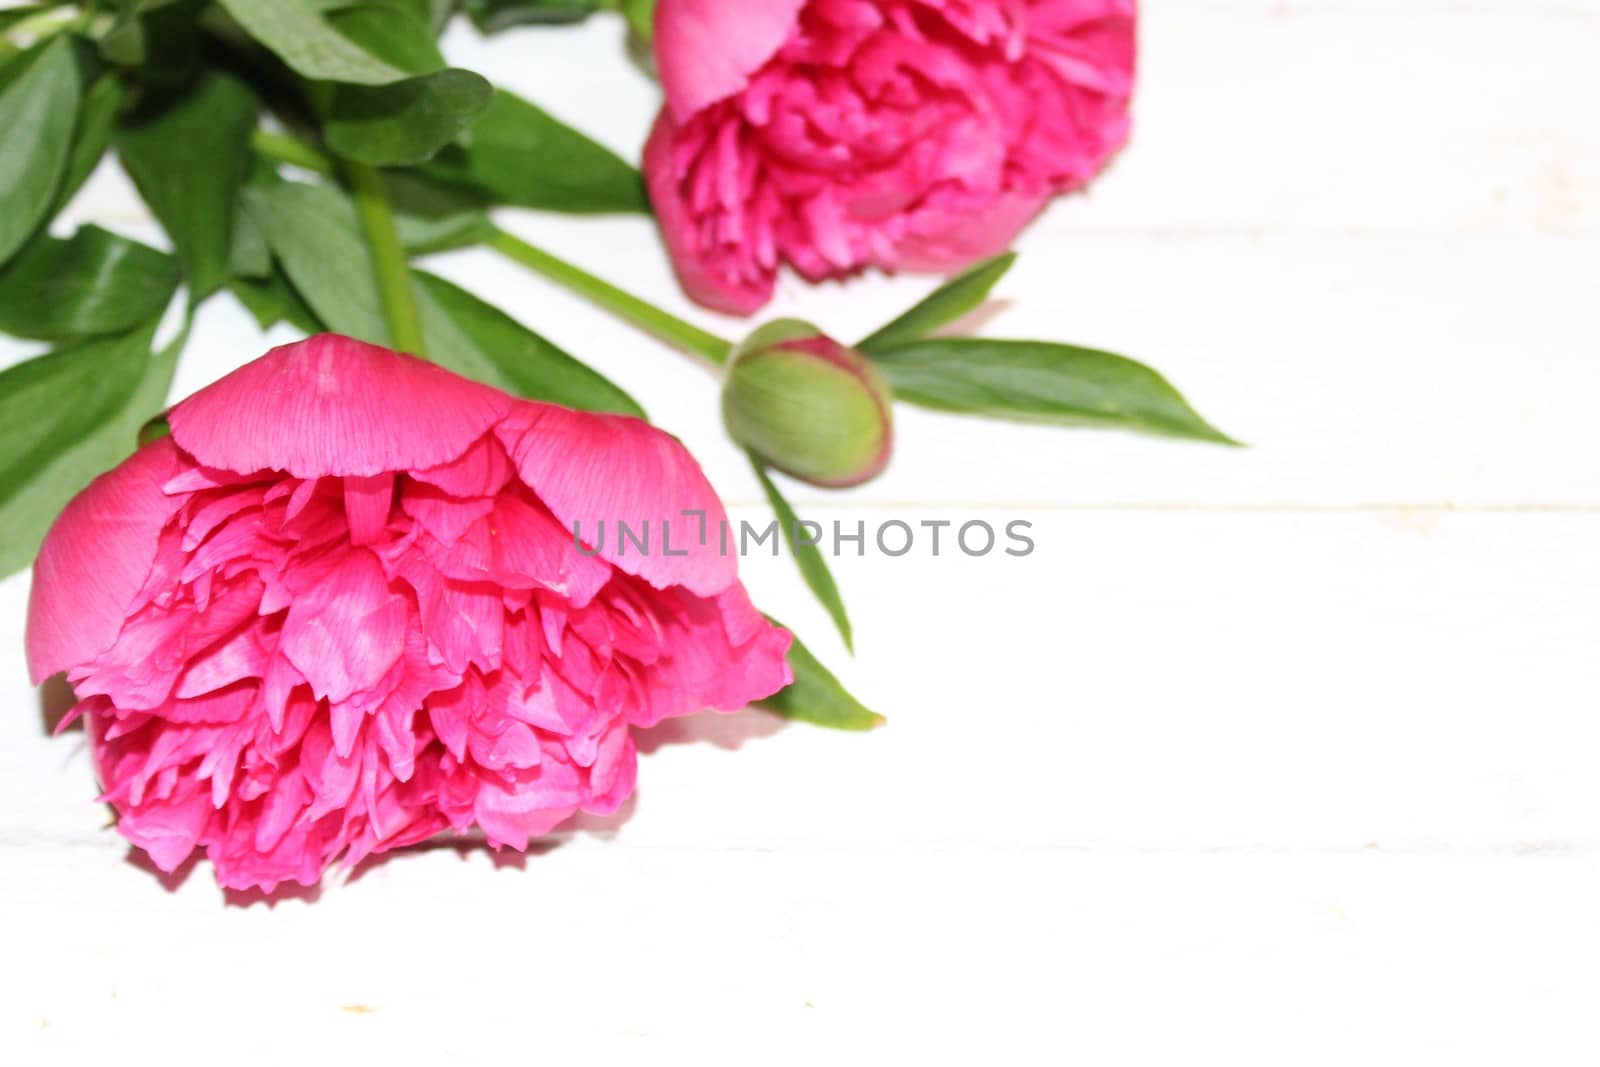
(341, 609)
(837, 134)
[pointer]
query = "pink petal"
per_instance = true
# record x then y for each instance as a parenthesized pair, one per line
(95, 560)
(536, 803)
(945, 241)
(528, 546)
(590, 469)
(367, 503)
(482, 470)
(681, 230)
(722, 655)
(345, 630)
(331, 405)
(706, 50)
(167, 830)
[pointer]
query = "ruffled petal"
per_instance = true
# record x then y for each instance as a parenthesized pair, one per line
(706, 50)
(682, 233)
(345, 629)
(331, 405)
(948, 240)
(95, 560)
(607, 477)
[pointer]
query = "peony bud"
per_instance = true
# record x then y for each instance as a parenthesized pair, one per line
(808, 406)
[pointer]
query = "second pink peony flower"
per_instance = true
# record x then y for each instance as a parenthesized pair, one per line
(832, 135)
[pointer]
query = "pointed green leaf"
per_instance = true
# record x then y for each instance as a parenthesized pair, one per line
(943, 306)
(315, 236)
(807, 556)
(188, 158)
(1036, 381)
(517, 154)
(39, 96)
(92, 135)
(71, 448)
(309, 44)
(405, 123)
(817, 697)
(92, 283)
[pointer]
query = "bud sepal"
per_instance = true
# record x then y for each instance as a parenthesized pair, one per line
(808, 406)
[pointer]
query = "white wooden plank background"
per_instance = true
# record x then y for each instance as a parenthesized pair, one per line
(1284, 755)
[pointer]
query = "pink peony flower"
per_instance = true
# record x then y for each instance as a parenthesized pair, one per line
(341, 609)
(837, 134)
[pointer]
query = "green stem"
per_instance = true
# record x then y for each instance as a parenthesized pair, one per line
(394, 273)
(292, 150)
(666, 326)
(47, 24)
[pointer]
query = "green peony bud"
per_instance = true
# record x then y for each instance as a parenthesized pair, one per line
(808, 406)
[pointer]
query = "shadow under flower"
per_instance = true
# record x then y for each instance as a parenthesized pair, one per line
(728, 732)
(55, 701)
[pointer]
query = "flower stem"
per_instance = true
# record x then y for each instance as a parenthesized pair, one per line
(394, 273)
(46, 24)
(287, 149)
(662, 324)
(291, 150)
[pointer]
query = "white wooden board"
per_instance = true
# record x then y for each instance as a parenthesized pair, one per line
(1275, 756)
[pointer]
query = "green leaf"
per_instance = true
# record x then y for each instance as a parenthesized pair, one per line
(314, 232)
(21, 13)
(158, 39)
(39, 96)
(492, 16)
(464, 332)
(249, 256)
(82, 419)
(517, 154)
(92, 135)
(433, 218)
(48, 402)
(405, 123)
(315, 236)
(309, 44)
(188, 159)
(429, 216)
(1035, 381)
(641, 16)
(396, 33)
(817, 697)
(92, 283)
(273, 300)
(944, 305)
(807, 556)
